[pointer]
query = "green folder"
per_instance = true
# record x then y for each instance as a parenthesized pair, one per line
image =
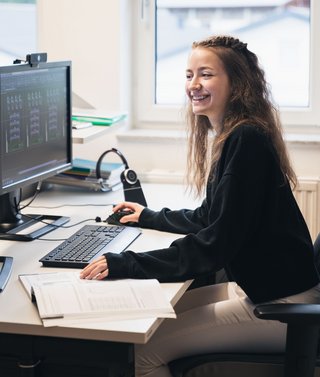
(99, 121)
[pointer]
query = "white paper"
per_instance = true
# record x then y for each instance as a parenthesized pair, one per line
(63, 297)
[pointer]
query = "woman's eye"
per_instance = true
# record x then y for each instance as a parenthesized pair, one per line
(206, 74)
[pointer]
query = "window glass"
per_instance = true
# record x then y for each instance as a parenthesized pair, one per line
(17, 30)
(277, 31)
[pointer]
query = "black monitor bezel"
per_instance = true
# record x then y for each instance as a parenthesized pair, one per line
(16, 68)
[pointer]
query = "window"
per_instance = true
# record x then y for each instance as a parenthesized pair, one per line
(282, 33)
(17, 30)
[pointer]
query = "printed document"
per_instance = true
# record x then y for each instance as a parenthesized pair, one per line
(62, 297)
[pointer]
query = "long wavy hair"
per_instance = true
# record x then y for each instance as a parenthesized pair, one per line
(249, 103)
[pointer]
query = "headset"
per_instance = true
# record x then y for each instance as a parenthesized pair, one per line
(131, 185)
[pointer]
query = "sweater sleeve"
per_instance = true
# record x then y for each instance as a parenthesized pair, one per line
(182, 221)
(235, 208)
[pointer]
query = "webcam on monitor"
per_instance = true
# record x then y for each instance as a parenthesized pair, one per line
(37, 58)
(33, 59)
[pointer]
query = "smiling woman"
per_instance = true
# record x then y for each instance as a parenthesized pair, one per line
(246, 175)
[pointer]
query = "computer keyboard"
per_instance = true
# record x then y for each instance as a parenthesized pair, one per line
(88, 243)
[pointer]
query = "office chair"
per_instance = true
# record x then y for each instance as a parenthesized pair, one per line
(301, 358)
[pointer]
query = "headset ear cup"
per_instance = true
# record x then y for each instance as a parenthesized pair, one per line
(129, 176)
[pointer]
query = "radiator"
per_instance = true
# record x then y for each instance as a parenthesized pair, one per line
(307, 195)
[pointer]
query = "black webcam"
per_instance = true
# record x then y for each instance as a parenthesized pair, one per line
(35, 59)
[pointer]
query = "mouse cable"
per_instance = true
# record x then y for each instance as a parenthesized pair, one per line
(58, 226)
(75, 205)
(37, 192)
(63, 226)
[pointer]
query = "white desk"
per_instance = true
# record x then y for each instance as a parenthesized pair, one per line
(19, 316)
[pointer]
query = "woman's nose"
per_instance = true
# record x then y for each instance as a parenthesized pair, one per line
(195, 85)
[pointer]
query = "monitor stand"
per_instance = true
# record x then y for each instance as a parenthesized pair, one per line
(14, 226)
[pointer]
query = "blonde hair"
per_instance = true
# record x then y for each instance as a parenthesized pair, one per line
(250, 103)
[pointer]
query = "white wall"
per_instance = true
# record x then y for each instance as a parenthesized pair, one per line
(89, 33)
(95, 53)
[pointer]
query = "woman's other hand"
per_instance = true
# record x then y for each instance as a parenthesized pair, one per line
(96, 270)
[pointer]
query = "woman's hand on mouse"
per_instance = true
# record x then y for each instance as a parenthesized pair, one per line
(134, 208)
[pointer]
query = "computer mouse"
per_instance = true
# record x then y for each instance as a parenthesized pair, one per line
(114, 218)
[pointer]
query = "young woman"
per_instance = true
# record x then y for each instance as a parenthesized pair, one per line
(249, 222)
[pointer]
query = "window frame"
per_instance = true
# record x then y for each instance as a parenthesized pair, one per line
(146, 114)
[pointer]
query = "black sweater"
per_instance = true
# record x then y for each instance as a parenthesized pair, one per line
(249, 224)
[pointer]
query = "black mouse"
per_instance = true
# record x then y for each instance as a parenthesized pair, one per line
(114, 218)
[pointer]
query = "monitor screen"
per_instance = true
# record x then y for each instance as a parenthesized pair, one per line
(35, 130)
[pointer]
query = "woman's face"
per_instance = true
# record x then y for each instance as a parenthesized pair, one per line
(207, 85)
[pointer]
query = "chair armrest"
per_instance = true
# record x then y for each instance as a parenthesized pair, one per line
(5, 271)
(308, 314)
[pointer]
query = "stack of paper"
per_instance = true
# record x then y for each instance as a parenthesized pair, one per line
(63, 298)
(83, 174)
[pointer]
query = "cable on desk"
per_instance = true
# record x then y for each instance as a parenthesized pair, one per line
(60, 226)
(97, 219)
(32, 199)
(37, 192)
(75, 205)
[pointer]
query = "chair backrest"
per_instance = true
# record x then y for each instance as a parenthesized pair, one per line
(316, 248)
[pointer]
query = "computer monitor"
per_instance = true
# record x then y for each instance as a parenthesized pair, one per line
(35, 137)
